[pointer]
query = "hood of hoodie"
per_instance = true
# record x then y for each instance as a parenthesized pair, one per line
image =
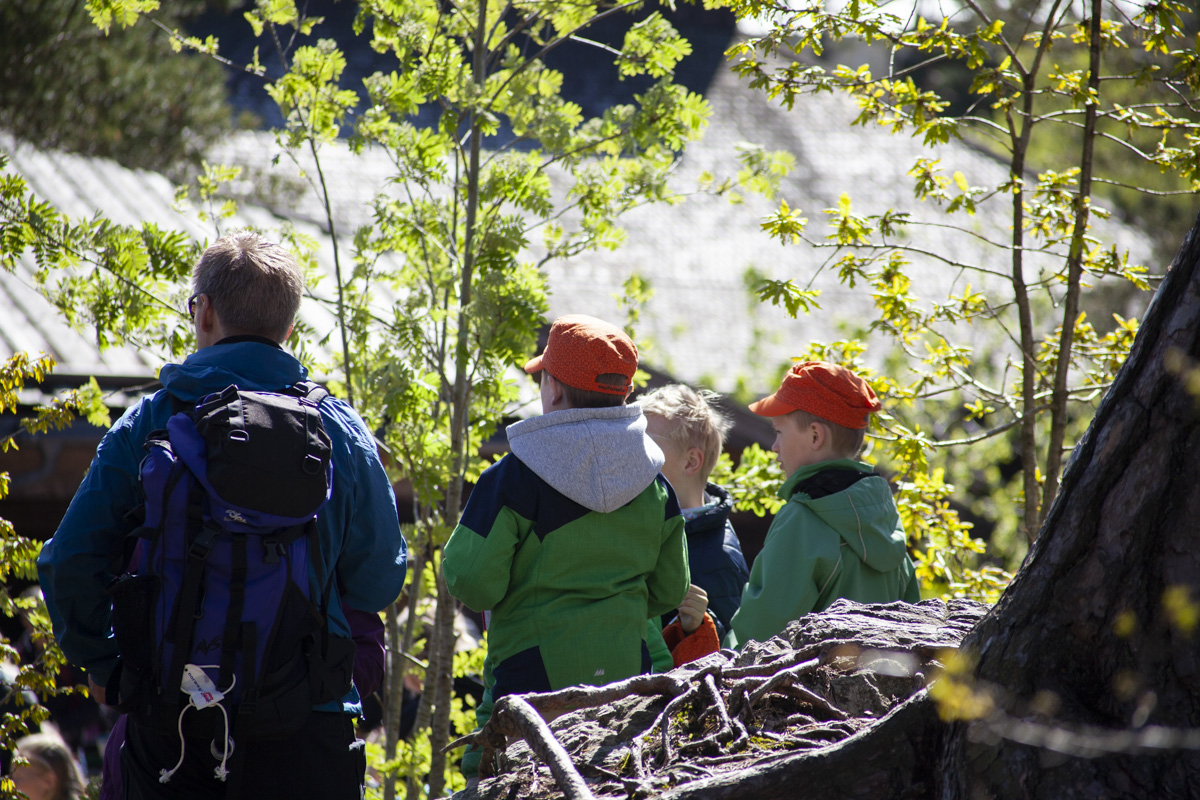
(599, 457)
(864, 514)
(260, 367)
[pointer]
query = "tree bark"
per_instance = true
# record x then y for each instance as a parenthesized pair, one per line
(1087, 628)
(890, 759)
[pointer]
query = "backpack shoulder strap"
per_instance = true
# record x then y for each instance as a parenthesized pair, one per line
(309, 390)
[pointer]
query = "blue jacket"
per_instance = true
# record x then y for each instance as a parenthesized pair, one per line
(715, 557)
(358, 527)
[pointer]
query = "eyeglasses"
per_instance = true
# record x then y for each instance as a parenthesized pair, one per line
(191, 306)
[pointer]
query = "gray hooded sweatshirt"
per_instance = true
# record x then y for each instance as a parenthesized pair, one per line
(601, 458)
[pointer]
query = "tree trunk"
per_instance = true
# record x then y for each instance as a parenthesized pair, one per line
(1095, 626)
(1059, 397)
(399, 650)
(443, 684)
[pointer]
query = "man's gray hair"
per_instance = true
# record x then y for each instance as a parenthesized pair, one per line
(254, 285)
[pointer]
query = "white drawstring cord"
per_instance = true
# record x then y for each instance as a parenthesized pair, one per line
(164, 775)
(221, 773)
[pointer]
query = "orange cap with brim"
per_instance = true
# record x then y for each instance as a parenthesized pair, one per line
(830, 392)
(581, 349)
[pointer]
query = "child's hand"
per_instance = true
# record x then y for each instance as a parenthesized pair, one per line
(691, 610)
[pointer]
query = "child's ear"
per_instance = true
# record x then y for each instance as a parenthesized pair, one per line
(819, 434)
(695, 460)
(556, 389)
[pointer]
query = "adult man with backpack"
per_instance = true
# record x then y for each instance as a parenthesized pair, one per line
(236, 476)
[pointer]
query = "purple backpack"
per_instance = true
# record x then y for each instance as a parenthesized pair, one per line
(215, 607)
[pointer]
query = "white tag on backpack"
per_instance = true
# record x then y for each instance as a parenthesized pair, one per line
(199, 687)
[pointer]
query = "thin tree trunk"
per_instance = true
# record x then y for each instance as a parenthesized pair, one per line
(459, 420)
(443, 685)
(1020, 150)
(425, 705)
(398, 646)
(1059, 398)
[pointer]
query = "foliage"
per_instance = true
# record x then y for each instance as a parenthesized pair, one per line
(445, 290)
(66, 84)
(947, 401)
(34, 680)
(120, 283)
(752, 484)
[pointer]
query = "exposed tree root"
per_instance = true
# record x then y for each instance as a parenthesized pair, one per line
(700, 730)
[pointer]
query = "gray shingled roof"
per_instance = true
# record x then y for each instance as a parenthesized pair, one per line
(701, 321)
(80, 187)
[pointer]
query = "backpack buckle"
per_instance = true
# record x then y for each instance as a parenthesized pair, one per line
(202, 545)
(272, 550)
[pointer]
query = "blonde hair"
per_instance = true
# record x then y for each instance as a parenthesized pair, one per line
(846, 442)
(47, 752)
(254, 285)
(694, 421)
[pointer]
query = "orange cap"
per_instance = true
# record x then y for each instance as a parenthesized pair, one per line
(581, 349)
(830, 392)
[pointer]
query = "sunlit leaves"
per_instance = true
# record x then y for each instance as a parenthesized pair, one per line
(753, 484)
(308, 95)
(452, 230)
(123, 12)
(1182, 609)
(18, 554)
(957, 695)
(786, 224)
(785, 293)
(651, 47)
(1162, 23)
(762, 170)
(847, 228)
(121, 283)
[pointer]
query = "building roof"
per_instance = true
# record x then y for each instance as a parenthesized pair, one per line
(702, 323)
(81, 186)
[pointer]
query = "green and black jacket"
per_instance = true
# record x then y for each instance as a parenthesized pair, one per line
(571, 542)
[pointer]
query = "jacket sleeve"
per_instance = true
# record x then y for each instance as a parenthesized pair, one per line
(782, 585)
(660, 653)
(77, 563)
(668, 583)
(369, 655)
(912, 587)
(362, 525)
(477, 560)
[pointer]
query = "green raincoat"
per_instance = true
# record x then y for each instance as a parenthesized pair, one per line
(837, 535)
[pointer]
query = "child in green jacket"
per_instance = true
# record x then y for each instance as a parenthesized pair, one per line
(574, 539)
(838, 533)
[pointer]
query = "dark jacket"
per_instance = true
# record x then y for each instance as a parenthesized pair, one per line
(715, 557)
